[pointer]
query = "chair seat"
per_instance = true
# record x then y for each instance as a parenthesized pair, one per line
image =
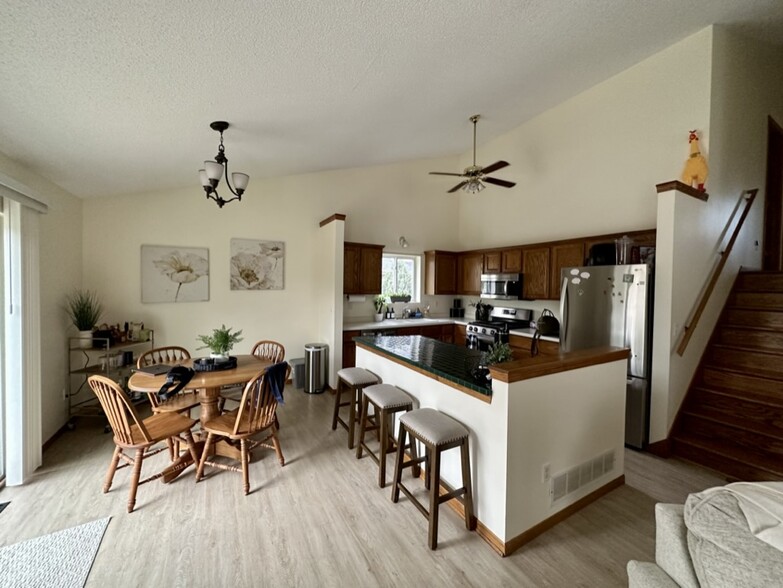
(161, 426)
(433, 426)
(224, 425)
(178, 403)
(386, 396)
(357, 376)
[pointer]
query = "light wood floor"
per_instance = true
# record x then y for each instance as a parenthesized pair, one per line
(321, 520)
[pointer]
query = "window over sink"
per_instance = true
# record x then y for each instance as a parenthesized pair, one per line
(401, 276)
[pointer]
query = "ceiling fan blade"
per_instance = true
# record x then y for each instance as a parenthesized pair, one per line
(497, 182)
(494, 167)
(444, 174)
(457, 187)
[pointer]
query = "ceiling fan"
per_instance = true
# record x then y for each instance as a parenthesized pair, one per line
(475, 175)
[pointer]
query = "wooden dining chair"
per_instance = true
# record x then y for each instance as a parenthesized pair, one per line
(255, 415)
(265, 349)
(133, 433)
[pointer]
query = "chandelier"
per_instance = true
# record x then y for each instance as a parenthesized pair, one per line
(213, 171)
(473, 186)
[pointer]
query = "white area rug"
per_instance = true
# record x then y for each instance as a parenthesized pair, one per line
(62, 559)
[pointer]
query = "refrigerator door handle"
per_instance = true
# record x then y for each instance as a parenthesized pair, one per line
(564, 310)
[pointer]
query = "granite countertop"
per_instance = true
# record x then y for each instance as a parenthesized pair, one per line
(401, 323)
(449, 361)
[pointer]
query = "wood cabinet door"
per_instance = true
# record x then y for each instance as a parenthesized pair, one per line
(470, 268)
(460, 334)
(351, 255)
(440, 272)
(493, 262)
(349, 348)
(408, 331)
(447, 333)
(370, 270)
(535, 265)
(512, 261)
(432, 331)
(564, 255)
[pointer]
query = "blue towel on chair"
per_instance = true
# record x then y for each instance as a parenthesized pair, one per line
(275, 374)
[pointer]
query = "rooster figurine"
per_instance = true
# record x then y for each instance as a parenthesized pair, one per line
(695, 171)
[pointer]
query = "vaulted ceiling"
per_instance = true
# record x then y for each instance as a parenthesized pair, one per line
(107, 97)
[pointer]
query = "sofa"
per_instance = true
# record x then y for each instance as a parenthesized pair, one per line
(722, 537)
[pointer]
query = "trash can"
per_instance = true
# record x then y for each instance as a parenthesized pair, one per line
(315, 367)
(298, 369)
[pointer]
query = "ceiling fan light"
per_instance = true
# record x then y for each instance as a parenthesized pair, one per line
(473, 186)
(214, 170)
(240, 180)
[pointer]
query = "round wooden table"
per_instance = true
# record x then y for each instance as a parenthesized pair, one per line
(208, 385)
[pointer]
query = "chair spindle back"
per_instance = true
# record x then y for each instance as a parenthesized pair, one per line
(271, 350)
(119, 409)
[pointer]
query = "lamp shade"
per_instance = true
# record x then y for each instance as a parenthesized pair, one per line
(202, 174)
(240, 180)
(214, 170)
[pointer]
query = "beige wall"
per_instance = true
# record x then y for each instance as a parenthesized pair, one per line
(61, 272)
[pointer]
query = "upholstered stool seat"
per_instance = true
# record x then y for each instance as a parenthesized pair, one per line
(387, 400)
(350, 381)
(437, 432)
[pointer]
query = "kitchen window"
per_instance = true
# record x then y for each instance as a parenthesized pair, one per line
(401, 275)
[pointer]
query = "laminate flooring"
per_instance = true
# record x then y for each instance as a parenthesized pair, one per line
(321, 520)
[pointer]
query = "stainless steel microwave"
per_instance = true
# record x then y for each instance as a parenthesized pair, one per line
(501, 286)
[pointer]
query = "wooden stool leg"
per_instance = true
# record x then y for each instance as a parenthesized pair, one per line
(433, 474)
(112, 468)
(384, 444)
(414, 449)
(337, 396)
(355, 392)
(134, 484)
(398, 464)
(470, 520)
(362, 426)
(428, 453)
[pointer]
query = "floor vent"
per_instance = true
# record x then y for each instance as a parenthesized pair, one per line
(574, 478)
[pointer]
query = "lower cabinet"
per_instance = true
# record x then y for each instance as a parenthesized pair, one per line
(349, 348)
(520, 346)
(460, 334)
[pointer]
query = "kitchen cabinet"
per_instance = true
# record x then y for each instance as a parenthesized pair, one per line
(362, 268)
(432, 331)
(460, 335)
(506, 261)
(520, 346)
(447, 333)
(349, 348)
(564, 255)
(469, 275)
(440, 272)
(536, 270)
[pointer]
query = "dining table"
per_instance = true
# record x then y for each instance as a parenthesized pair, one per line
(207, 385)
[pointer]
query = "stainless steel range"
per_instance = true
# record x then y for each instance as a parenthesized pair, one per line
(482, 334)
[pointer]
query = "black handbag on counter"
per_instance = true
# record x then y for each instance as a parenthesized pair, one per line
(546, 325)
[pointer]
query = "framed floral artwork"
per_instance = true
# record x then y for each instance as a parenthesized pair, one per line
(174, 274)
(257, 265)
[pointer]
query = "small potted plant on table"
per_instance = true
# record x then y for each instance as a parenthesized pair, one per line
(220, 342)
(84, 310)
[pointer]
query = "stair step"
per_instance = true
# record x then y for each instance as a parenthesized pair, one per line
(757, 337)
(771, 319)
(763, 418)
(770, 300)
(731, 439)
(743, 384)
(757, 362)
(759, 282)
(735, 465)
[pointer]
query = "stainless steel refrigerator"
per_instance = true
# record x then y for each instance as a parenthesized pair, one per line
(612, 305)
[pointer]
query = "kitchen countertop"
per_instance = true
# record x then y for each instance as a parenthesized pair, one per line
(421, 322)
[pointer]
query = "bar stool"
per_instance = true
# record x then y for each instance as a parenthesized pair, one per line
(350, 381)
(387, 400)
(438, 433)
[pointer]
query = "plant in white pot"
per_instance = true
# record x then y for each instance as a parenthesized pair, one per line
(379, 301)
(220, 342)
(84, 310)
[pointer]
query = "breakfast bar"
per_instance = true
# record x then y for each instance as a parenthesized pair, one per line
(546, 432)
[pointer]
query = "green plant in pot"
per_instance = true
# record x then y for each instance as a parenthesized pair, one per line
(378, 302)
(497, 353)
(84, 309)
(220, 342)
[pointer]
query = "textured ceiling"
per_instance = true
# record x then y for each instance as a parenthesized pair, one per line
(107, 97)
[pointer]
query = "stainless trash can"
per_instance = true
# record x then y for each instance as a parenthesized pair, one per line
(298, 369)
(316, 357)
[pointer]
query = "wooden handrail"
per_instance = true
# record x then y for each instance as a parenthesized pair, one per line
(687, 331)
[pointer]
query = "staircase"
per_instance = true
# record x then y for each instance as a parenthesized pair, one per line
(732, 417)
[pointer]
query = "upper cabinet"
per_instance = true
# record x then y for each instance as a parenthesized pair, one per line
(535, 265)
(440, 272)
(506, 261)
(362, 268)
(469, 272)
(564, 255)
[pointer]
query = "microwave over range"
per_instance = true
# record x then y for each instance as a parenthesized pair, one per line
(501, 286)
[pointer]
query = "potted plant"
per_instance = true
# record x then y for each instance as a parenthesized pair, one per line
(400, 297)
(220, 342)
(379, 301)
(84, 310)
(497, 353)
